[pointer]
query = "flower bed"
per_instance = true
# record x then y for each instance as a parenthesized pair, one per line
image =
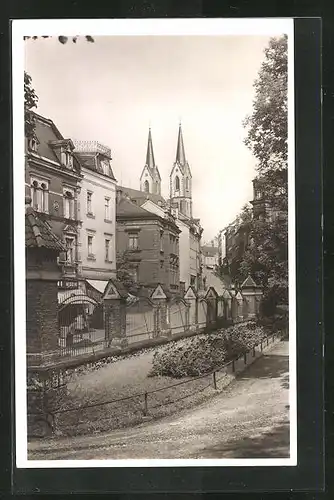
(201, 354)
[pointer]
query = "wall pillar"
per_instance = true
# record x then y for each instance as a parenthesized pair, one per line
(115, 322)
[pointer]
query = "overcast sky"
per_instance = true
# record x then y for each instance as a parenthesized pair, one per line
(111, 90)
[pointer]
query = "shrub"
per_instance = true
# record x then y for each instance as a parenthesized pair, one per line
(203, 353)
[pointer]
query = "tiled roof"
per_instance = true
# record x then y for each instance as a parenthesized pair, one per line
(45, 133)
(141, 196)
(38, 234)
(128, 208)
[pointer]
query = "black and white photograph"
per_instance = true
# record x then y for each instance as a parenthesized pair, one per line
(154, 242)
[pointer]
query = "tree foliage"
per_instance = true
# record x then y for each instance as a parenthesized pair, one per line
(125, 272)
(267, 125)
(30, 102)
(266, 255)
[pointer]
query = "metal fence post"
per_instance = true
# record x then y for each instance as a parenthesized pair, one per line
(145, 404)
(245, 358)
(261, 345)
(214, 380)
(233, 366)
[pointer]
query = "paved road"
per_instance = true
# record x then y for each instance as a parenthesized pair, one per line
(248, 420)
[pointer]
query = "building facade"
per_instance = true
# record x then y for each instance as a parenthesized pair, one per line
(98, 212)
(210, 256)
(53, 182)
(147, 244)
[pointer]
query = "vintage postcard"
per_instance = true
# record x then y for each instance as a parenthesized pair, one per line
(154, 242)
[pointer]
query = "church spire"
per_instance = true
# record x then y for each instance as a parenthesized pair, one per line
(150, 155)
(180, 154)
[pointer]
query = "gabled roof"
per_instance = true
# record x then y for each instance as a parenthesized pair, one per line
(39, 235)
(249, 282)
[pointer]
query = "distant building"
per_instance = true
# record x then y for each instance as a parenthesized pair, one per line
(52, 181)
(147, 244)
(98, 213)
(210, 256)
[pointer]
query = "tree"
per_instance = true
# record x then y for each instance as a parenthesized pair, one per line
(125, 273)
(266, 253)
(30, 96)
(30, 102)
(267, 125)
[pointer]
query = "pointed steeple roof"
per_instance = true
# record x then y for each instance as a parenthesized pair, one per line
(180, 154)
(149, 154)
(249, 282)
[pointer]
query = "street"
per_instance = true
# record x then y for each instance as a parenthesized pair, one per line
(250, 419)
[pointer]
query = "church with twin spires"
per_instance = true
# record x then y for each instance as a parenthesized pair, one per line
(180, 178)
(179, 205)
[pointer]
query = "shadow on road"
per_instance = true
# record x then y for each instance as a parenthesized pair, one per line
(268, 366)
(272, 444)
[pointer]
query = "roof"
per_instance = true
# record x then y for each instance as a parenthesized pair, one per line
(140, 196)
(47, 135)
(127, 208)
(39, 235)
(249, 282)
(209, 250)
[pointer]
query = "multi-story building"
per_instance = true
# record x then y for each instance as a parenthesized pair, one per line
(98, 213)
(179, 206)
(52, 178)
(147, 244)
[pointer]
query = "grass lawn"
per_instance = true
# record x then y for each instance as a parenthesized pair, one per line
(122, 378)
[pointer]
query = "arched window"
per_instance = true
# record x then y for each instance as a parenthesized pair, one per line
(187, 183)
(40, 195)
(146, 187)
(177, 183)
(157, 187)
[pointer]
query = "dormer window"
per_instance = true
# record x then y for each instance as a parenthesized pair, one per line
(32, 144)
(67, 158)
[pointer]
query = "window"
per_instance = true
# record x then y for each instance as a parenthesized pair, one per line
(68, 205)
(90, 245)
(258, 195)
(133, 241)
(67, 158)
(187, 183)
(107, 215)
(107, 250)
(177, 183)
(69, 243)
(161, 241)
(40, 195)
(32, 144)
(146, 187)
(89, 202)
